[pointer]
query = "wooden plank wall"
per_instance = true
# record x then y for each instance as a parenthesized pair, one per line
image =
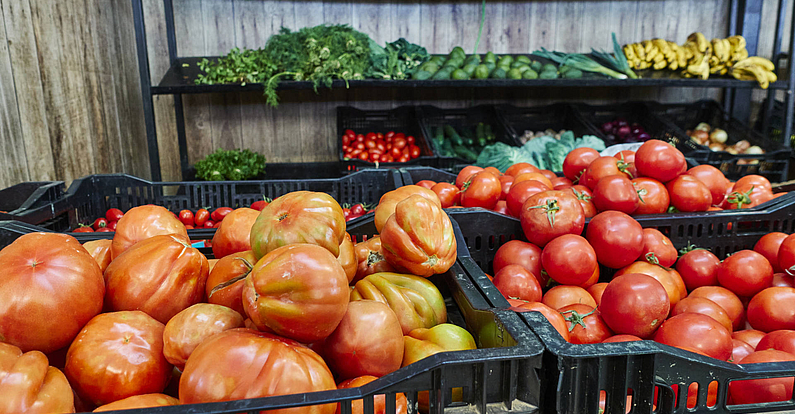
(70, 101)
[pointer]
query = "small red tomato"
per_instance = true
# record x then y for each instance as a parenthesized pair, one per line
(259, 205)
(83, 229)
(350, 132)
(360, 146)
(426, 183)
(399, 143)
(410, 139)
(414, 151)
(100, 223)
(364, 156)
(375, 157)
(112, 225)
(370, 136)
(113, 214)
(395, 152)
(201, 216)
(390, 134)
(360, 138)
(189, 226)
(404, 158)
(186, 217)
(219, 213)
(358, 209)
(346, 140)
(104, 230)
(208, 224)
(379, 135)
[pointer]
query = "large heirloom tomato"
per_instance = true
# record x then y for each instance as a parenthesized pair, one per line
(140, 401)
(273, 366)
(388, 203)
(28, 384)
(160, 276)
(118, 355)
(298, 291)
(299, 217)
(419, 238)
(100, 251)
(368, 341)
(634, 304)
(225, 283)
(185, 331)
(763, 390)
(415, 300)
(141, 223)
(347, 258)
(370, 258)
(379, 401)
(550, 214)
(421, 343)
(697, 332)
(234, 233)
(50, 287)
(660, 160)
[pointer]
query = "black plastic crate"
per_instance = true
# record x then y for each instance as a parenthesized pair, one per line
(29, 201)
(776, 122)
(432, 117)
(291, 170)
(91, 196)
(401, 119)
(574, 375)
(413, 175)
(556, 117)
(772, 164)
(502, 376)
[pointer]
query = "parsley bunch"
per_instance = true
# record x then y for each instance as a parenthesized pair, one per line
(232, 165)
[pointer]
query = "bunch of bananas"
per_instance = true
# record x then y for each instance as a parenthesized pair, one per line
(698, 57)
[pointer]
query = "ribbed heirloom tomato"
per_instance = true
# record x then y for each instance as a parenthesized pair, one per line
(550, 214)
(29, 385)
(187, 329)
(370, 259)
(234, 233)
(140, 401)
(143, 222)
(100, 251)
(388, 202)
(225, 284)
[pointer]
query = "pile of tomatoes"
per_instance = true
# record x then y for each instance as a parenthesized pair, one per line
(654, 180)
(740, 309)
(379, 147)
(144, 319)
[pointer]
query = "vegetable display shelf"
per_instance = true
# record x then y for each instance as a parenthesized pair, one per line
(557, 116)
(574, 375)
(30, 201)
(90, 197)
(772, 164)
(499, 377)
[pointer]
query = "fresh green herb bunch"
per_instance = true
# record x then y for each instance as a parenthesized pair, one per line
(398, 60)
(232, 165)
(246, 66)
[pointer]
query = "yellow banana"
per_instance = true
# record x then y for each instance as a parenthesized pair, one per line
(739, 55)
(756, 60)
(742, 74)
(629, 52)
(652, 54)
(771, 76)
(757, 71)
(662, 45)
(721, 52)
(660, 65)
(716, 69)
(699, 68)
(674, 65)
(714, 61)
(639, 51)
(700, 41)
(647, 46)
(737, 41)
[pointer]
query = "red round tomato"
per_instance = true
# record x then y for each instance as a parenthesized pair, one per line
(520, 192)
(653, 196)
(779, 279)
(782, 340)
(756, 181)
(536, 176)
(615, 192)
(502, 208)
(745, 273)
(553, 316)
(698, 268)
(379, 401)
(621, 338)
(772, 309)
(120, 348)
(763, 390)
(660, 246)
(597, 290)
(561, 183)
(786, 255)
(50, 286)
(698, 332)
(688, 194)
(520, 168)
(114, 214)
(465, 174)
(368, 341)
(189, 328)
(616, 238)
(414, 151)
(746, 196)
(703, 306)
(726, 299)
(768, 246)
(586, 325)
(749, 336)
(234, 233)
(274, 366)
(186, 217)
(516, 282)
(740, 350)
(634, 304)
(310, 298)
(225, 283)
(524, 254)
(626, 156)
(569, 259)
(659, 160)
(713, 179)
(564, 295)
(449, 195)
(669, 279)
(481, 190)
(550, 214)
(505, 182)
(426, 183)
(604, 167)
(585, 197)
(143, 222)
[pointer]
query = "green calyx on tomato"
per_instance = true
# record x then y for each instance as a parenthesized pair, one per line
(550, 208)
(580, 195)
(624, 167)
(576, 319)
(740, 199)
(652, 258)
(689, 248)
(642, 192)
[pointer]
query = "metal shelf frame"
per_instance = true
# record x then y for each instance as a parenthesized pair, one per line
(745, 19)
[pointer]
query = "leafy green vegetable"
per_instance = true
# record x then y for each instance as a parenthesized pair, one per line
(618, 62)
(398, 60)
(579, 61)
(544, 152)
(232, 165)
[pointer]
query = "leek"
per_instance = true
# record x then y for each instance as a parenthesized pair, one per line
(618, 62)
(578, 61)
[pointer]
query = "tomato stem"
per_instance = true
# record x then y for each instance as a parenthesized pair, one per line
(739, 198)
(576, 318)
(550, 208)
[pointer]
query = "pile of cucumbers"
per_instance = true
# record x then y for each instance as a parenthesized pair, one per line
(463, 142)
(458, 66)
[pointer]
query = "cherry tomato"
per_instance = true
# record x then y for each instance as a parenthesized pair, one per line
(481, 190)
(772, 309)
(370, 136)
(112, 225)
(726, 299)
(449, 195)
(661, 246)
(364, 156)
(414, 151)
(358, 209)
(688, 194)
(615, 192)
(550, 214)
(520, 192)
(520, 168)
(208, 224)
(360, 146)
(390, 135)
(410, 140)
(506, 181)
(525, 254)
(769, 246)
(399, 143)
(201, 216)
(577, 160)
(104, 230)
(585, 197)
(786, 255)
(603, 167)
(370, 144)
(465, 174)
(516, 282)
(375, 157)
(616, 237)
(694, 331)
(569, 259)
(586, 325)
(713, 179)
(346, 140)
(186, 217)
(653, 196)
(698, 268)
(635, 304)
(564, 295)
(659, 160)
(395, 152)
(749, 336)
(703, 306)
(259, 205)
(101, 222)
(745, 273)
(113, 214)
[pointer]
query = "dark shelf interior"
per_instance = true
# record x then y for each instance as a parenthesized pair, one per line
(181, 79)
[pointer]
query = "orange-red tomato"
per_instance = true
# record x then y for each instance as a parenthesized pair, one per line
(141, 223)
(347, 258)
(187, 329)
(139, 401)
(29, 385)
(553, 316)
(100, 251)
(449, 195)
(225, 284)
(561, 296)
(379, 401)
(234, 233)
(370, 259)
